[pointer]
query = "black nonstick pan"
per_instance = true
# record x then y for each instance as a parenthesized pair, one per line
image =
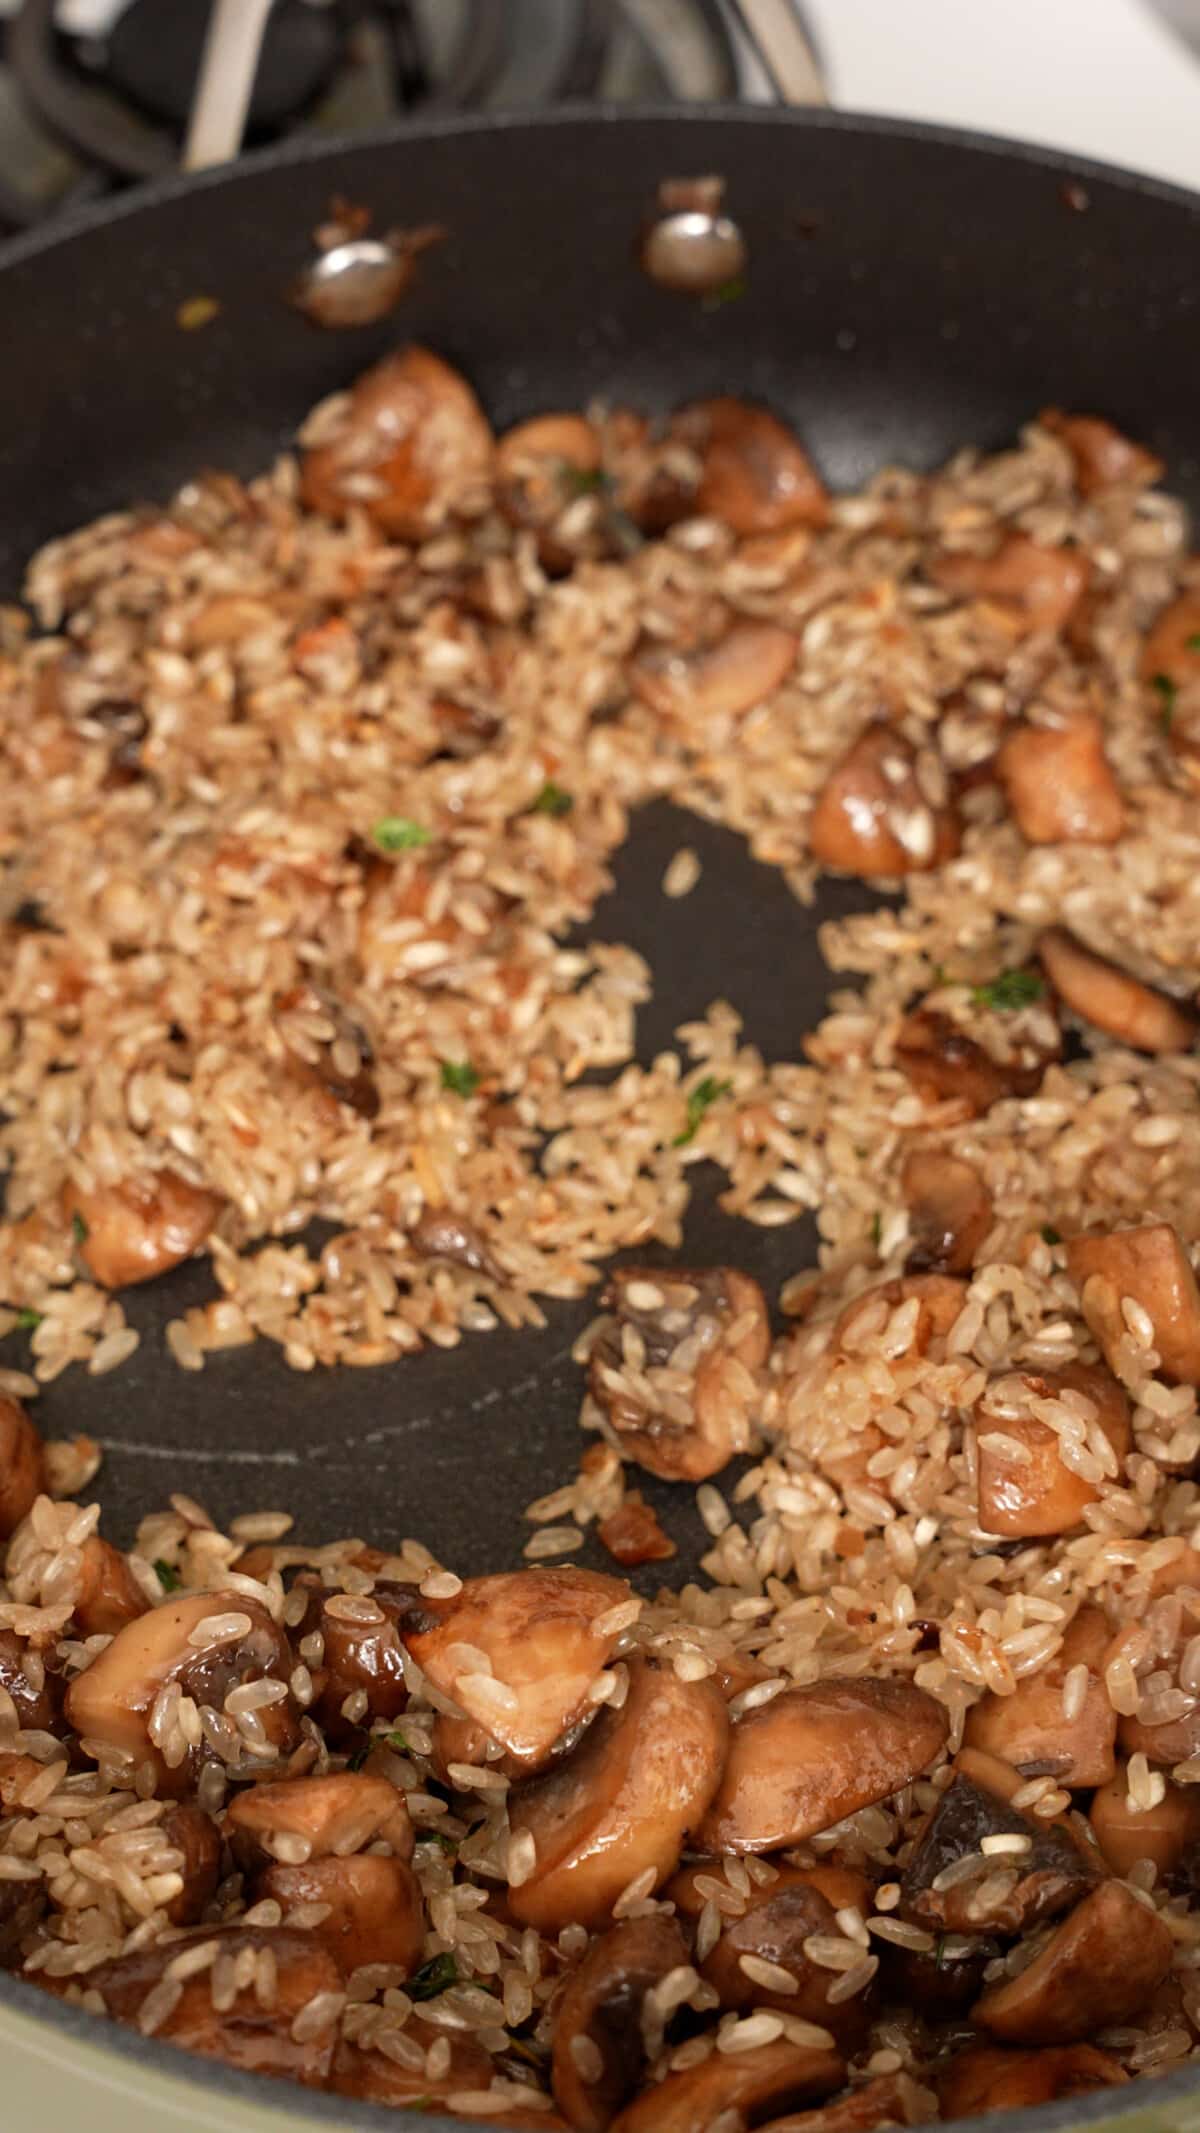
(907, 291)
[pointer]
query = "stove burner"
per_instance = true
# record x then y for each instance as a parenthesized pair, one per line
(107, 85)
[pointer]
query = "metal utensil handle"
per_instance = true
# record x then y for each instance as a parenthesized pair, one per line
(236, 29)
(776, 36)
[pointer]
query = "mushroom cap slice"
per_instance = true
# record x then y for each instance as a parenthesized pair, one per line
(1163, 1834)
(339, 1814)
(812, 1756)
(1150, 1266)
(1045, 1877)
(194, 1835)
(1030, 1726)
(949, 1211)
(22, 1474)
(889, 2100)
(986, 2077)
(409, 443)
(1110, 999)
(871, 816)
(246, 2035)
(755, 475)
(722, 680)
(520, 1653)
(623, 1802)
(1060, 784)
(1100, 1968)
(1039, 1494)
(374, 1912)
(602, 2002)
(140, 1228)
(773, 1926)
(774, 2077)
(108, 1595)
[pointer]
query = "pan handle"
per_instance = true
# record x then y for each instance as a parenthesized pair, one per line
(777, 38)
(236, 29)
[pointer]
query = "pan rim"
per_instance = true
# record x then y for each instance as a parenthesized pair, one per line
(285, 2102)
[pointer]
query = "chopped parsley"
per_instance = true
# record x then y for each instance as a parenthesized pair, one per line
(359, 1757)
(939, 1961)
(28, 1321)
(79, 1229)
(1166, 697)
(553, 800)
(1050, 1235)
(584, 481)
(706, 1093)
(438, 1836)
(727, 292)
(459, 1077)
(1011, 990)
(433, 1977)
(397, 1742)
(876, 1228)
(396, 833)
(169, 1579)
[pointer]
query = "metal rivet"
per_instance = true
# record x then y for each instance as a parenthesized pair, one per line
(359, 281)
(690, 244)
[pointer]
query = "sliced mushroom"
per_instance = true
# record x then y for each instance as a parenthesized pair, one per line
(722, 680)
(618, 1810)
(1031, 1725)
(372, 1907)
(754, 2085)
(1098, 1969)
(946, 1066)
(706, 1330)
(1101, 993)
(439, 1233)
(35, 1692)
(1172, 649)
(329, 1048)
(299, 1819)
(599, 2058)
(872, 817)
(1164, 1833)
(1038, 587)
(1027, 1489)
(520, 1653)
(193, 1835)
(941, 1982)
(1060, 784)
(755, 476)
(139, 1229)
(410, 445)
(543, 467)
(949, 1211)
(1038, 1873)
(1102, 457)
(223, 2012)
(1165, 1726)
(632, 1533)
(109, 1595)
(361, 1653)
(205, 1646)
(986, 2078)
(1149, 1267)
(374, 2077)
(889, 2100)
(770, 1926)
(22, 1473)
(938, 1298)
(812, 1756)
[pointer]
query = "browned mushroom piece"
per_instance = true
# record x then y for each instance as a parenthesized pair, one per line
(986, 2077)
(1147, 1267)
(374, 2077)
(222, 2011)
(109, 1595)
(1059, 782)
(1099, 1968)
(599, 2058)
(328, 1047)
(632, 1533)
(543, 467)
(706, 1331)
(947, 1066)
(22, 1473)
(1171, 651)
(938, 1297)
(361, 1652)
(1032, 1727)
(1101, 993)
(439, 1233)
(371, 1904)
(872, 817)
(949, 1211)
(22, 1908)
(1027, 1489)
(298, 1819)
(1037, 587)
(36, 1693)
(812, 1756)
(520, 1654)
(140, 1228)
(1025, 1870)
(1165, 1726)
(766, 1931)
(1164, 1833)
(941, 1982)
(409, 444)
(755, 476)
(618, 1810)
(1102, 457)
(722, 680)
(755, 2085)
(193, 1834)
(205, 1647)
(889, 2100)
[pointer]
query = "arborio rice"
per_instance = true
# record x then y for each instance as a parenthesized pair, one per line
(897, 1815)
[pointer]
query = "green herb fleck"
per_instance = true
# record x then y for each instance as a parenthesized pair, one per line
(727, 292)
(417, 2103)
(705, 1093)
(28, 1321)
(460, 1078)
(1012, 989)
(169, 1579)
(876, 1228)
(359, 1757)
(1050, 1235)
(584, 481)
(1166, 696)
(1193, 642)
(433, 1977)
(939, 1961)
(396, 1741)
(79, 1229)
(438, 1836)
(552, 800)
(395, 833)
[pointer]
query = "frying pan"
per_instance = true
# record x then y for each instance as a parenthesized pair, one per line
(908, 290)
